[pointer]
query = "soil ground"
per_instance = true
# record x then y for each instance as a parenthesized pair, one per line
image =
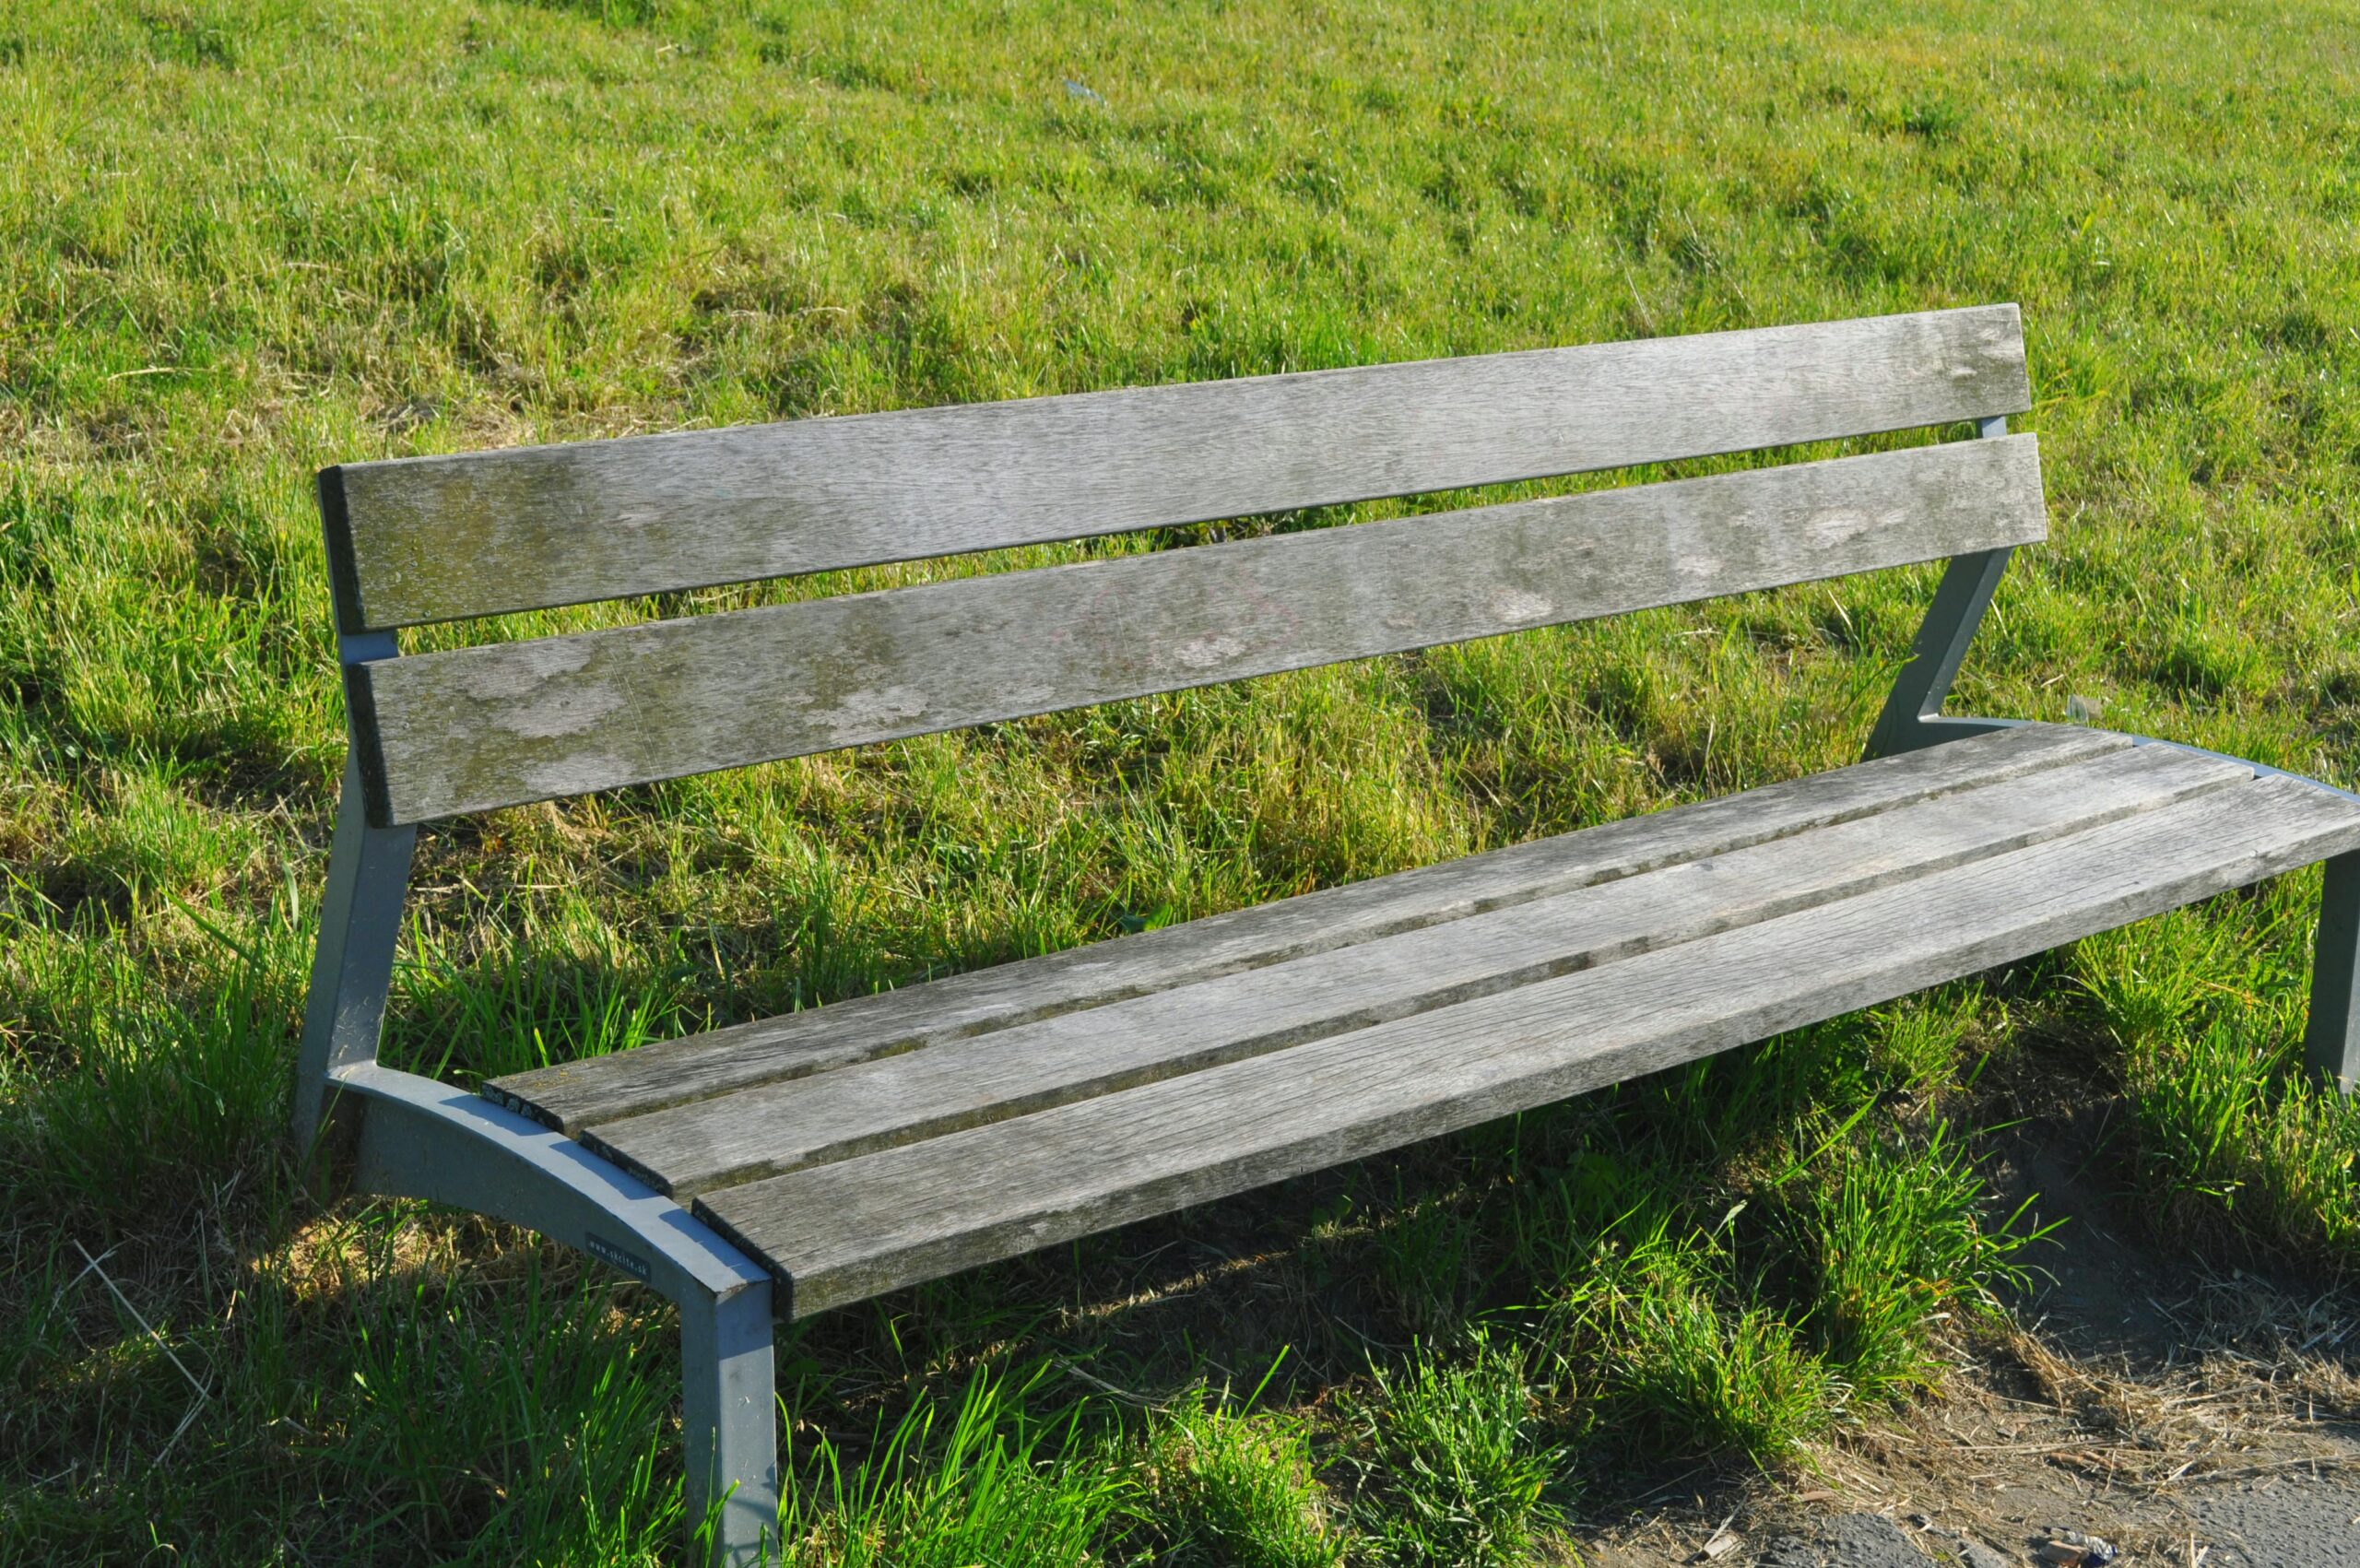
(2184, 1416)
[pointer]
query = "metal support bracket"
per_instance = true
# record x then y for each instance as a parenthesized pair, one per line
(360, 919)
(413, 1137)
(2332, 1042)
(423, 1139)
(1912, 715)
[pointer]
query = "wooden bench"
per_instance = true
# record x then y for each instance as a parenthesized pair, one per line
(801, 1163)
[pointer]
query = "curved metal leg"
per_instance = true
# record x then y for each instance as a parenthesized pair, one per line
(415, 1137)
(421, 1138)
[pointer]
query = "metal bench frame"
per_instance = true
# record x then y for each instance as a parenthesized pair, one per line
(403, 1134)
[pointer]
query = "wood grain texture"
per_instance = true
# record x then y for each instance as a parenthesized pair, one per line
(574, 1095)
(842, 1232)
(475, 728)
(944, 1088)
(438, 539)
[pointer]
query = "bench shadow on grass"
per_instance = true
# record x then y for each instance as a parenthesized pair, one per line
(1453, 1352)
(1379, 1309)
(1460, 1352)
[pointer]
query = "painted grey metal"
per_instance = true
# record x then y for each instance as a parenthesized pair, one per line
(469, 729)
(729, 1423)
(954, 1084)
(842, 1232)
(360, 918)
(575, 1095)
(442, 537)
(2332, 1042)
(1941, 646)
(420, 1138)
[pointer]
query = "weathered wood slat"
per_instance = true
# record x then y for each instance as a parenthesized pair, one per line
(848, 1230)
(574, 1095)
(440, 538)
(956, 1084)
(474, 728)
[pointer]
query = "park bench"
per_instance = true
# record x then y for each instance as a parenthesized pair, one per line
(790, 1165)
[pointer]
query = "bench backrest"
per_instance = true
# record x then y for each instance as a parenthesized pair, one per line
(441, 538)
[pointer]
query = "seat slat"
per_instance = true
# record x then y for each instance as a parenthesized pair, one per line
(841, 1231)
(474, 728)
(943, 1088)
(574, 1095)
(440, 538)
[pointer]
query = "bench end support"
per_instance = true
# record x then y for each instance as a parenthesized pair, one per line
(2332, 1042)
(1912, 715)
(352, 970)
(421, 1138)
(728, 1425)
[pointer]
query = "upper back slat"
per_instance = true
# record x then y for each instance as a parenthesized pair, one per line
(438, 538)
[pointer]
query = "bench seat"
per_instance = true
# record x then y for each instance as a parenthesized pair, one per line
(873, 1143)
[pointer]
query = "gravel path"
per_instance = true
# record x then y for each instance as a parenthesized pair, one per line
(2292, 1522)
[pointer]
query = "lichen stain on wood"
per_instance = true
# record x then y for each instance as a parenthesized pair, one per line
(480, 727)
(448, 537)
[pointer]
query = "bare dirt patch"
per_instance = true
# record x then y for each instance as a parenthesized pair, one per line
(2179, 1415)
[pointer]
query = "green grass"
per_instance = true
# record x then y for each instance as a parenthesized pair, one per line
(1233, 1487)
(979, 1492)
(1458, 1445)
(246, 240)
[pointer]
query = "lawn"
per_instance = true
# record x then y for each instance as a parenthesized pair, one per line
(246, 240)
